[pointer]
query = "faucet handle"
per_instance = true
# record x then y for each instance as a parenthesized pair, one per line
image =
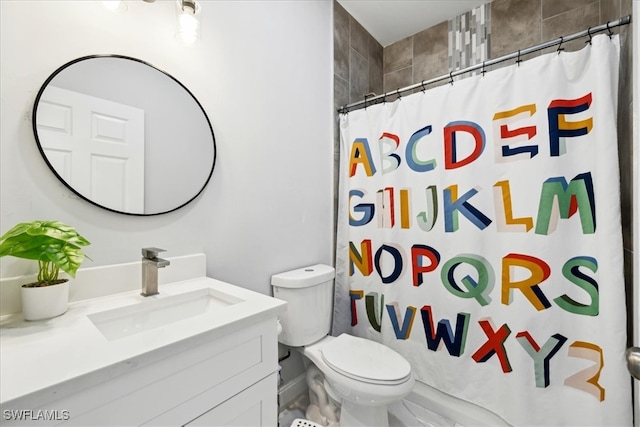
(151, 253)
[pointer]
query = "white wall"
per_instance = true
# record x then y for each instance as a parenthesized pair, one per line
(262, 71)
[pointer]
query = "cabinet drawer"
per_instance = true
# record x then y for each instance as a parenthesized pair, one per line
(256, 406)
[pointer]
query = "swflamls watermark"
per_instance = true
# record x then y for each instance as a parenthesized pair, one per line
(35, 415)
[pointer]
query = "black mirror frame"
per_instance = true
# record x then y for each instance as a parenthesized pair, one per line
(42, 153)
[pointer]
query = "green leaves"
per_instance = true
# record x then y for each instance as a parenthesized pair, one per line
(55, 245)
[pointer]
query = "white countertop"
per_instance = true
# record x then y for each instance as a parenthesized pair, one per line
(42, 354)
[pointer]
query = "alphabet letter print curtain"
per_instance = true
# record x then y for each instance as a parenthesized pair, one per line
(479, 236)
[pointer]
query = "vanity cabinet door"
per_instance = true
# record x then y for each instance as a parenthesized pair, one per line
(253, 407)
(172, 386)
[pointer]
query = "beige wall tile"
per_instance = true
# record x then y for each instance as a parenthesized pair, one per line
(552, 8)
(515, 24)
(358, 59)
(340, 41)
(399, 55)
(572, 22)
(430, 53)
(359, 37)
(397, 80)
(610, 10)
(340, 91)
(358, 76)
(375, 66)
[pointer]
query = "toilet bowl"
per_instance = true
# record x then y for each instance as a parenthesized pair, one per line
(363, 375)
(361, 370)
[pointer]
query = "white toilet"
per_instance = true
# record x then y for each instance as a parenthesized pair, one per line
(365, 376)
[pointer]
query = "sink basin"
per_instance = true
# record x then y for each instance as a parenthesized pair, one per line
(132, 319)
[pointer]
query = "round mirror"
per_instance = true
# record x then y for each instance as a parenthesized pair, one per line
(124, 135)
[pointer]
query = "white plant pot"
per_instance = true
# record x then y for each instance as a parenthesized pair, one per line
(45, 302)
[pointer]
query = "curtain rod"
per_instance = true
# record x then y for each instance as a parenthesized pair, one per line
(588, 32)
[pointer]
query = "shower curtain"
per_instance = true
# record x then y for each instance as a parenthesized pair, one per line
(479, 236)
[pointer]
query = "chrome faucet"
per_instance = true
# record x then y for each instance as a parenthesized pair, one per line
(150, 265)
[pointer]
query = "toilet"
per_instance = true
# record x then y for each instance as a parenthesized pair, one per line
(363, 375)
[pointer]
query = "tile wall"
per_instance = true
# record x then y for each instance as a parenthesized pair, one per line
(470, 38)
(357, 59)
(363, 66)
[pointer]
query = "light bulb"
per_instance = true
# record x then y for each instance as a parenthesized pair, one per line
(188, 28)
(188, 21)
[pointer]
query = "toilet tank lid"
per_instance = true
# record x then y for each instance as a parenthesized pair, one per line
(304, 277)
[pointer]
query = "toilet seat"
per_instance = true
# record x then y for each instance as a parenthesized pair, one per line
(365, 360)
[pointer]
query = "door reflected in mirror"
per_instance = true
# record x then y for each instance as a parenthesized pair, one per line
(124, 135)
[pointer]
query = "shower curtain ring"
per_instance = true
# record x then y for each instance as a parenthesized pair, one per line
(610, 33)
(518, 61)
(589, 34)
(423, 88)
(483, 69)
(398, 93)
(451, 78)
(560, 45)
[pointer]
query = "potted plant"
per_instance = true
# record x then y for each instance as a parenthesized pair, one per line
(56, 246)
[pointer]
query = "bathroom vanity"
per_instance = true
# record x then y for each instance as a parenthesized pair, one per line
(201, 353)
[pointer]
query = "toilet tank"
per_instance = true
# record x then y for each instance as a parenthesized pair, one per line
(308, 292)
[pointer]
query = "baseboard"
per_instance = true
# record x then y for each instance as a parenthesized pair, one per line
(292, 390)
